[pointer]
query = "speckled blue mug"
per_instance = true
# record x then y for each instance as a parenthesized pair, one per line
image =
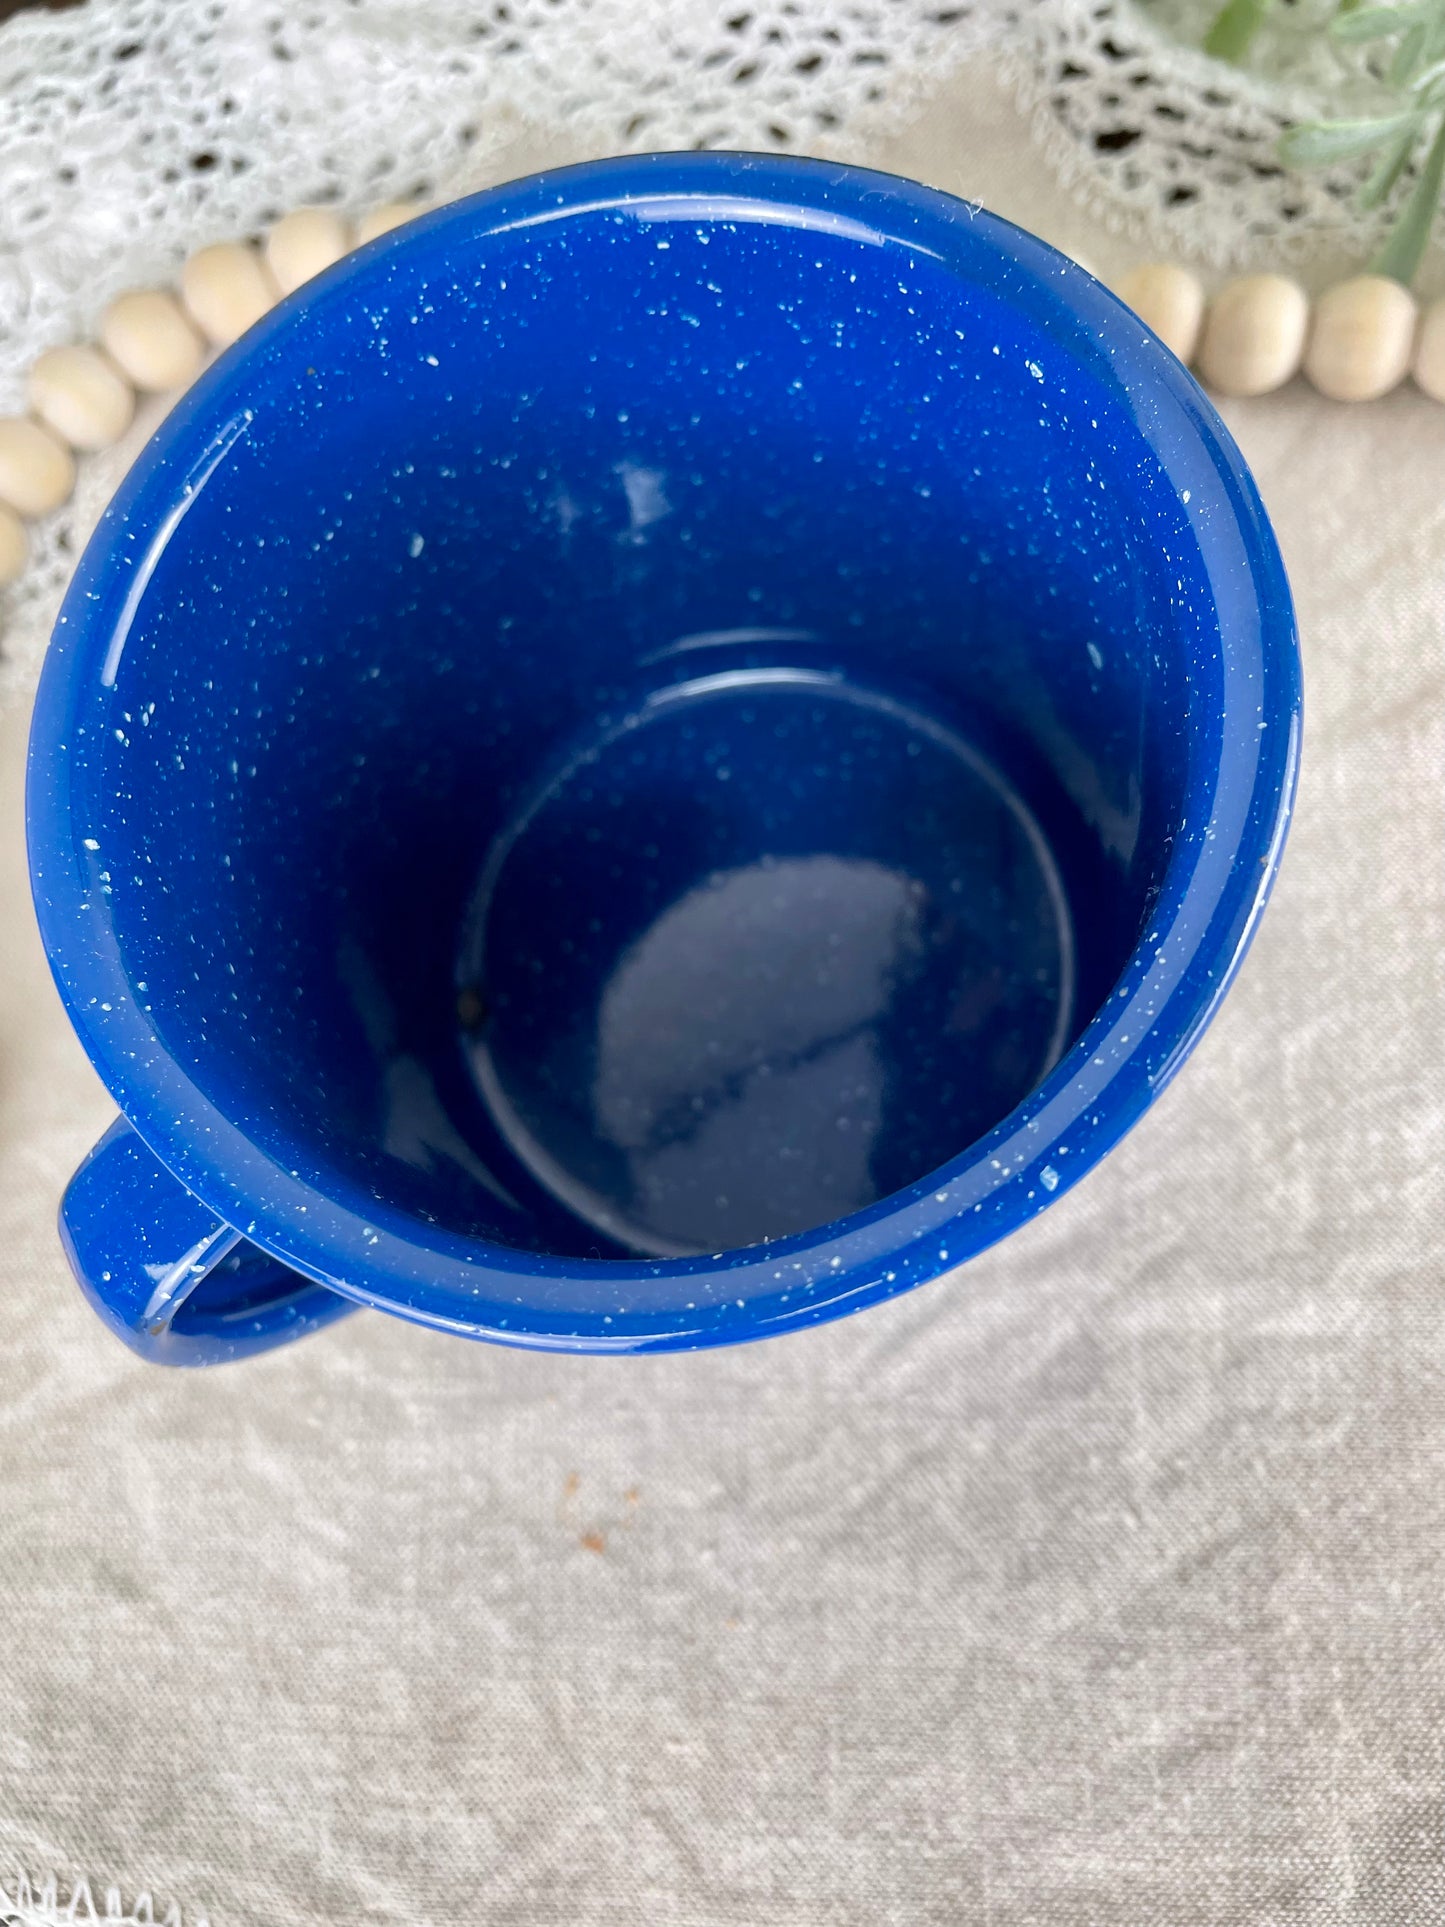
(663, 754)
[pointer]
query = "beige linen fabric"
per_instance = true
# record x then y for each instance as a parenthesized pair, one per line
(1101, 1584)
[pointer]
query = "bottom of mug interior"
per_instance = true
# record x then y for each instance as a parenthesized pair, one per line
(767, 947)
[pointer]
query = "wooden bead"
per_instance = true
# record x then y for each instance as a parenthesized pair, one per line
(1170, 301)
(303, 244)
(381, 220)
(14, 548)
(1429, 369)
(150, 340)
(1254, 335)
(226, 289)
(37, 470)
(1360, 342)
(79, 394)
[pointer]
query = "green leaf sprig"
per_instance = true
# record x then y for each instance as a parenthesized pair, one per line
(1413, 134)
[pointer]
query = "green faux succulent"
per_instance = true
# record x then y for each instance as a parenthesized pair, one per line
(1411, 137)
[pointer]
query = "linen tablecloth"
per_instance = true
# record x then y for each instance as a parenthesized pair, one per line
(1100, 1584)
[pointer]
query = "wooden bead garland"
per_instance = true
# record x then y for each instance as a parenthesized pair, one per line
(1171, 301)
(1361, 338)
(302, 244)
(37, 470)
(151, 342)
(1429, 363)
(79, 394)
(227, 288)
(1361, 341)
(1253, 337)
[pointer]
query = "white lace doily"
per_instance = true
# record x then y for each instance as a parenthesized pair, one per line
(133, 131)
(1178, 149)
(24, 1903)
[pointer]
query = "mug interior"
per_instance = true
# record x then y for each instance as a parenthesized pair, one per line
(648, 725)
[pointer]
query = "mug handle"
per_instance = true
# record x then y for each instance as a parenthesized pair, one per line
(172, 1280)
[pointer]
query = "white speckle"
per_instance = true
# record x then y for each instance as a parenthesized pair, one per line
(1185, 496)
(91, 844)
(1035, 370)
(646, 492)
(1049, 1178)
(417, 544)
(431, 361)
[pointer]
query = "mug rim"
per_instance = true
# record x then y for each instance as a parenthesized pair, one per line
(1211, 896)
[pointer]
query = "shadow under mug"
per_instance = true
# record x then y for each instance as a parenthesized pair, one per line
(666, 752)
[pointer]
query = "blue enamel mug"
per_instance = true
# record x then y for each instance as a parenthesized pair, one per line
(666, 752)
